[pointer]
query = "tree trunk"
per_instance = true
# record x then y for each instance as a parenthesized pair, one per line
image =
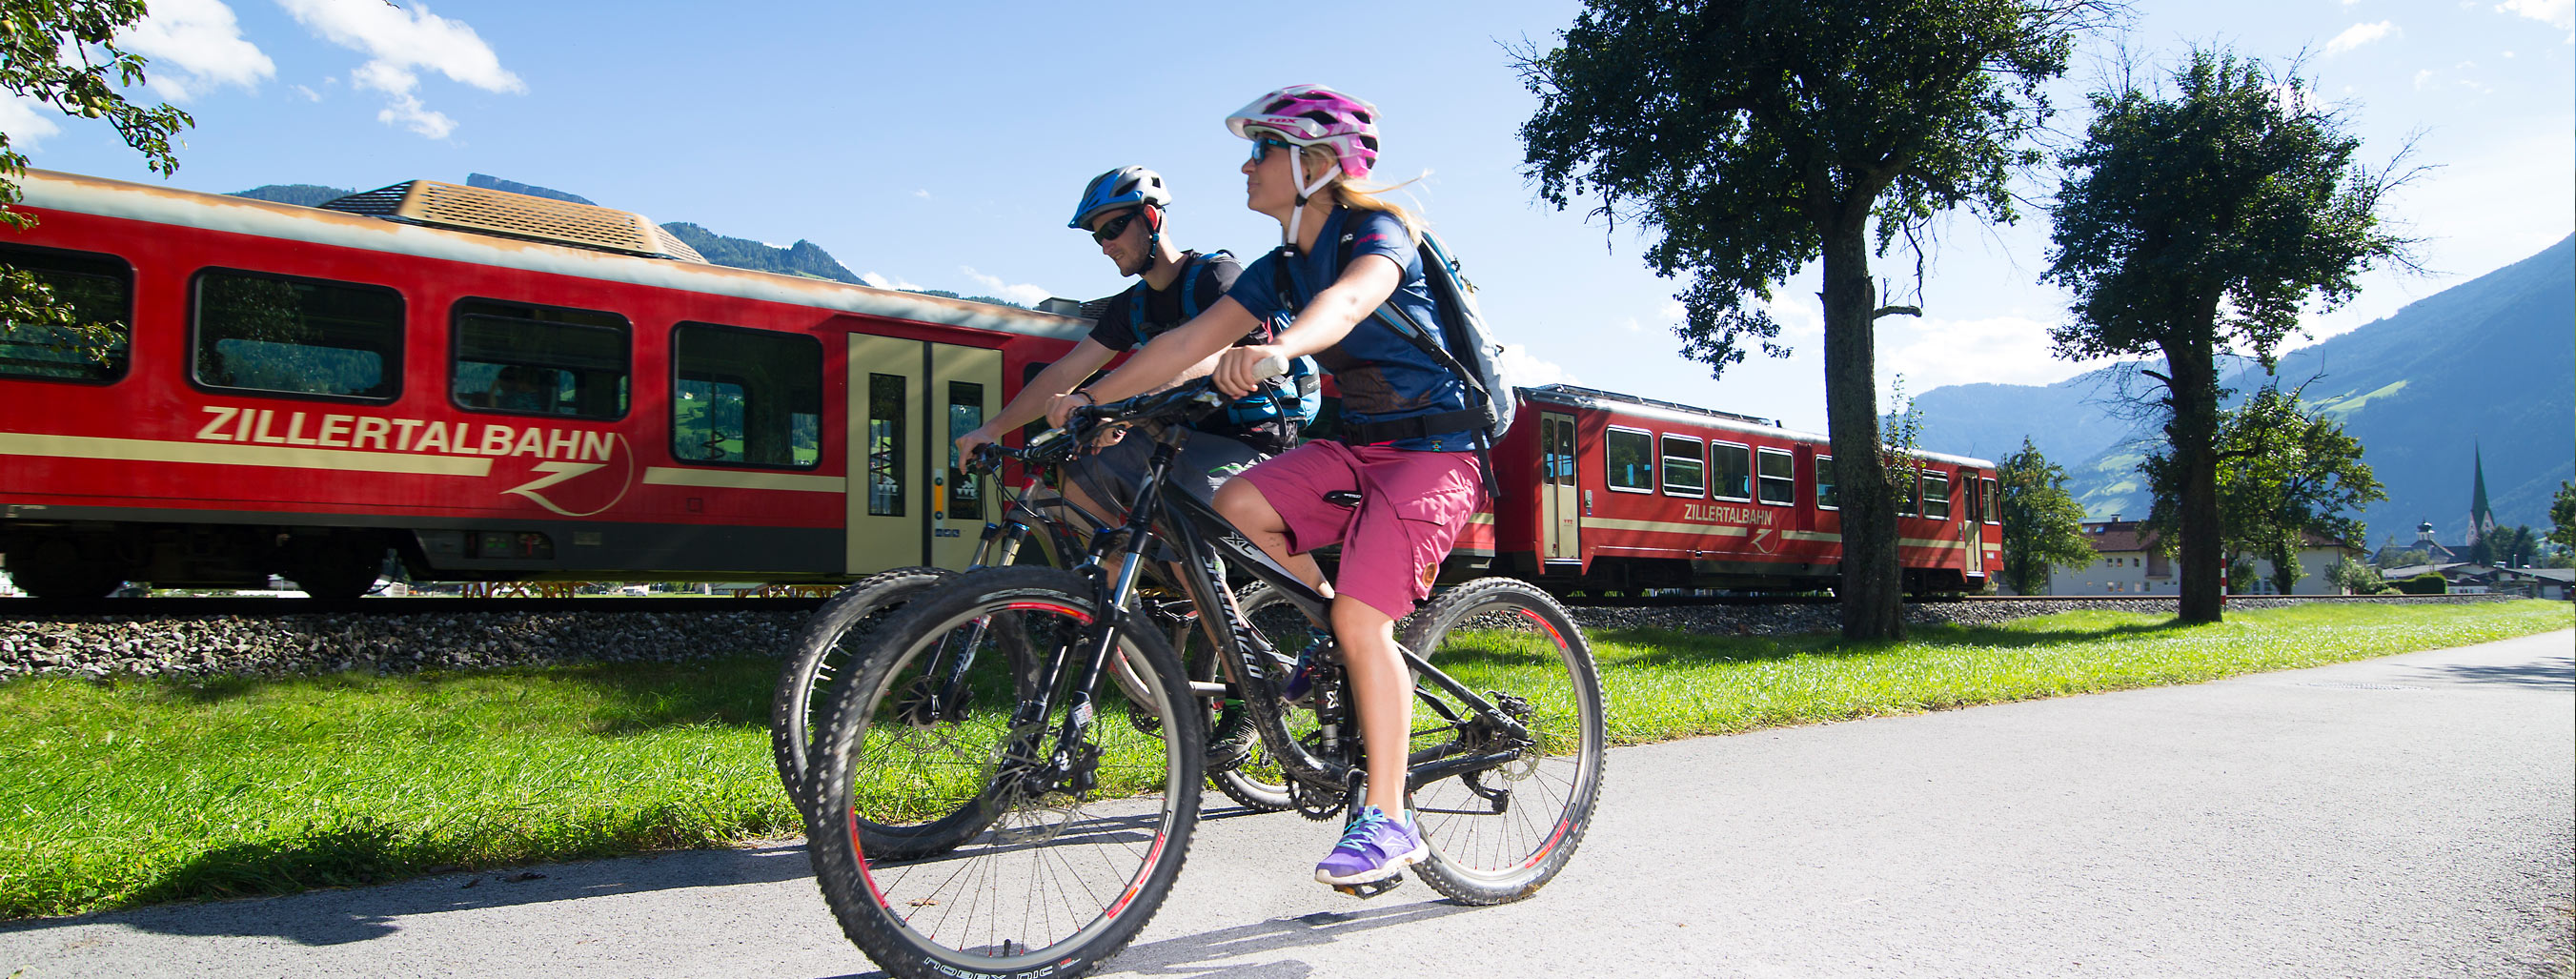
(1872, 589)
(2193, 432)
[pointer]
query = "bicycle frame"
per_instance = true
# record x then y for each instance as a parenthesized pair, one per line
(1208, 541)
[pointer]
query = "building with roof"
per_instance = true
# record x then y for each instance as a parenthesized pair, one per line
(2128, 562)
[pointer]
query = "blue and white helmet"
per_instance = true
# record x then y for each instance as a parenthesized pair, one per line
(1126, 186)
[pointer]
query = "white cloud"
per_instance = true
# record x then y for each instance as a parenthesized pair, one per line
(2358, 35)
(881, 282)
(27, 121)
(309, 94)
(924, 194)
(399, 44)
(1023, 293)
(1528, 370)
(2560, 14)
(195, 45)
(2002, 349)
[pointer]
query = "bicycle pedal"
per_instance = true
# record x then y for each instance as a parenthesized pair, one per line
(1370, 889)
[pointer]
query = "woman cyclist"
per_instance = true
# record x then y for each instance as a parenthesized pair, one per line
(1407, 443)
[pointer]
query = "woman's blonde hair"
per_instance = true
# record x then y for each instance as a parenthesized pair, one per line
(1366, 195)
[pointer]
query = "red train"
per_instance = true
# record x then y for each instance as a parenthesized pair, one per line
(500, 387)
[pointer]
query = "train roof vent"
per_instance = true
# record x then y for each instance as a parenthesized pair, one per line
(500, 212)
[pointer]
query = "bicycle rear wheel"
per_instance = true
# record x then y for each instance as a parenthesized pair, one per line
(1501, 833)
(1046, 877)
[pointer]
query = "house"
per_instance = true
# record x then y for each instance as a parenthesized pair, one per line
(2127, 562)
(2479, 579)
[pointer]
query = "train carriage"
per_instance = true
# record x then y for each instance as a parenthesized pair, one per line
(492, 385)
(1608, 492)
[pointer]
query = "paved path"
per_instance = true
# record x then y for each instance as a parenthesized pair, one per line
(2405, 817)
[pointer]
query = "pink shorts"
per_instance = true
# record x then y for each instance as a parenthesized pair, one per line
(1412, 506)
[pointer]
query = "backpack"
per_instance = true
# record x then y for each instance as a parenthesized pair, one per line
(1460, 341)
(1291, 401)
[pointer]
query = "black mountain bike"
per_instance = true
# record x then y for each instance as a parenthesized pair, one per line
(837, 634)
(1025, 831)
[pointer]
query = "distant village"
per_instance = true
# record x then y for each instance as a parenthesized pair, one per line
(2127, 561)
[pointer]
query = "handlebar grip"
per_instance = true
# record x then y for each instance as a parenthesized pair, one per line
(1270, 367)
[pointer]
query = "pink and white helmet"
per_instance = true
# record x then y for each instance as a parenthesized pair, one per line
(1312, 115)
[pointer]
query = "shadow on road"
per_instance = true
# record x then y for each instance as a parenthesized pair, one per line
(1191, 955)
(338, 917)
(2547, 673)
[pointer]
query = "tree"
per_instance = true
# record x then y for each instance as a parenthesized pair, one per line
(2355, 578)
(1760, 135)
(2204, 220)
(2562, 515)
(63, 53)
(2506, 547)
(2043, 525)
(2283, 474)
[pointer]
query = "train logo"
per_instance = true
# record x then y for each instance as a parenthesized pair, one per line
(569, 471)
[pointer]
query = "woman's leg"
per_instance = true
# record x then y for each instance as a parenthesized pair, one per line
(1382, 692)
(1242, 505)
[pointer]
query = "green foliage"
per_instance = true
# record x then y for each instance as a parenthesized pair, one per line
(1755, 135)
(62, 54)
(2355, 578)
(2391, 557)
(2506, 547)
(2562, 516)
(2428, 583)
(2215, 213)
(2043, 527)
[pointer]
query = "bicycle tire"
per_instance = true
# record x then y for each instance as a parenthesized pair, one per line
(825, 646)
(1257, 783)
(1005, 900)
(1508, 637)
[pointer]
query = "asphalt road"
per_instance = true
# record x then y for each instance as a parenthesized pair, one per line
(2405, 817)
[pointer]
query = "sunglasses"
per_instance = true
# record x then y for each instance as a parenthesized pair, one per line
(1115, 227)
(1261, 147)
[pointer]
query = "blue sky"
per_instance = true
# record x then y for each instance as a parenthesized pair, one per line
(941, 145)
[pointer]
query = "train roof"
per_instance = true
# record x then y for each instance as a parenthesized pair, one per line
(1671, 411)
(241, 215)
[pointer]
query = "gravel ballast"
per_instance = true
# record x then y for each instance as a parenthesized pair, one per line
(99, 646)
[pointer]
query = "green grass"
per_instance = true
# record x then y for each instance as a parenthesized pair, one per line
(132, 791)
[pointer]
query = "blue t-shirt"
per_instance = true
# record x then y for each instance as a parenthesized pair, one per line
(1383, 376)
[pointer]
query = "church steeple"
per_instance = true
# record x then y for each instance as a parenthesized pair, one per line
(2481, 519)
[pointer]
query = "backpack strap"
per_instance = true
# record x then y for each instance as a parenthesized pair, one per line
(1474, 417)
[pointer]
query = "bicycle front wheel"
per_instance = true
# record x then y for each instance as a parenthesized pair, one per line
(1064, 859)
(835, 636)
(1500, 833)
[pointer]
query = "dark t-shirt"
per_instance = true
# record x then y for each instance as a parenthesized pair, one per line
(1382, 375)
(1208, 277)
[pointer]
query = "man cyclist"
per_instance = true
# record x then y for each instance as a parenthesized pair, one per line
(1123, 210)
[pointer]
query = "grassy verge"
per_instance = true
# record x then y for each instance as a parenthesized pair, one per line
(136, 791)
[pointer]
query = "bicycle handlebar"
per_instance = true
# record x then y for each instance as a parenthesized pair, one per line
(1056, 445)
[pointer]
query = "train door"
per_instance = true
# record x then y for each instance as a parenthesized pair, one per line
(908, 402)
(1972, 531)
(1560, 512)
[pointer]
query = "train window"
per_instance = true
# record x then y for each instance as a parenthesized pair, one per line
(539, 360)
(1936, 495)
(1730, 471)
(965, 414)
(1825, 498)
(1778, 484)
(1909, 490)
(276, 333)
(98, 293)
(746, 397)
(1684, 470)
(1628, 456)
(1988, 512)
(885, 445)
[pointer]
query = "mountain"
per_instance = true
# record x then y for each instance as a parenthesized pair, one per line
(2482, 367)
(803, 258)
(308, 195)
